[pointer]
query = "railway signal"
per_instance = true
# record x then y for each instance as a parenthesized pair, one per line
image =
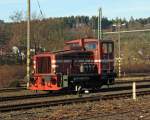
(119, 60)
(118, 26)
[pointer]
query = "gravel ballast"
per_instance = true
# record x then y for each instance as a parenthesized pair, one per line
(121, 109)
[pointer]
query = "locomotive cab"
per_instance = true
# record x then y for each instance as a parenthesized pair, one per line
(103, 57)
(107, 61)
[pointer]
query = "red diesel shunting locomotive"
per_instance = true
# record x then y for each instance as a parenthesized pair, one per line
(82, 64)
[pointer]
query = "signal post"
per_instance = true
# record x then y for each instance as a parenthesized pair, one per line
(119, 66)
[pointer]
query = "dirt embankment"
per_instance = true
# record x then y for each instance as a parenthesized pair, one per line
(10, 74)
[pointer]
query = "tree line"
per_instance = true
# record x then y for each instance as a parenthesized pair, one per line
(51, 33)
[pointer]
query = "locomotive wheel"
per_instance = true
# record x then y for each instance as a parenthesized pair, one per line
(78, 88)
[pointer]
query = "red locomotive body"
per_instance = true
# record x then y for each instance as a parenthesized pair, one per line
(82, 64)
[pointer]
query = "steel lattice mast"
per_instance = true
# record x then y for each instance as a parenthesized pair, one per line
(99, 34)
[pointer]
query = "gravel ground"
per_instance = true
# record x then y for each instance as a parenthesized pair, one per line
(33, 100)
(20, 93)
(121, 109)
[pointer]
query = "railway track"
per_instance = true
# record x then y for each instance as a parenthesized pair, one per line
(118, 81)
(116, 87)
(23, 106)
(12, 89)
(119, 90)
(22, 97)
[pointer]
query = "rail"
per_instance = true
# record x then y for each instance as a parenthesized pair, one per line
(15, 107)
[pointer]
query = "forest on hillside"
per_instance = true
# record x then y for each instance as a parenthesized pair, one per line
(50, 33)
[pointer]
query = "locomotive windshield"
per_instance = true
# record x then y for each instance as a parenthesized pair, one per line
(90, 46)
(74, 45)
(43, 64)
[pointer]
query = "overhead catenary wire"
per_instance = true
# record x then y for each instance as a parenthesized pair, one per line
(40, 8)
(42, 17)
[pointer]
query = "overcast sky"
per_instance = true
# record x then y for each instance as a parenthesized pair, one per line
(59, 8)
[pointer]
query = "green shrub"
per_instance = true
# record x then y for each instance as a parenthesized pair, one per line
(15, 83)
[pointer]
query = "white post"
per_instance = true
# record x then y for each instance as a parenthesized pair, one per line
(134, 90)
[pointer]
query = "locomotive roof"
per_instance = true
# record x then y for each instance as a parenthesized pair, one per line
(72, 51)
(88, 40)
(62, 52)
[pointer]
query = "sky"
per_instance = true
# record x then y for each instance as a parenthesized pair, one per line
(60, 8)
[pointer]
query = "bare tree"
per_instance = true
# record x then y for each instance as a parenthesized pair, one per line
(17, 16)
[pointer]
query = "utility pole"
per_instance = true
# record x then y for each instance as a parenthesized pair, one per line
(99, 35)
(28, 43)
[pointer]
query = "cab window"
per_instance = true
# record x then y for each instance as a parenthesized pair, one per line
(107, 48)
(104, 47)
(90, 46)
(110, 48)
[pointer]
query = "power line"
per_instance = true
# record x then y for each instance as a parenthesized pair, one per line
(40, 8)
